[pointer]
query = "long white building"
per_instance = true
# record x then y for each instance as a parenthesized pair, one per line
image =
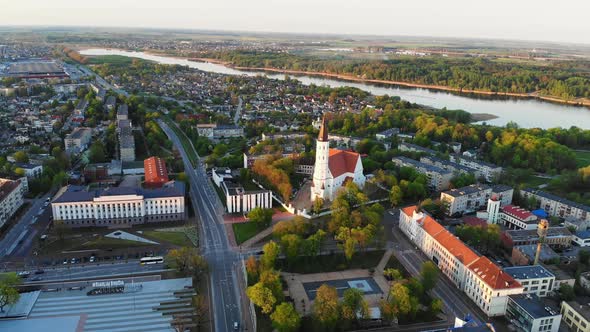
(482, 280)
(120, 206)
(558, 206)
(11, 198)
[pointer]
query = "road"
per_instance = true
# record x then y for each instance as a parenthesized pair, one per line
(87, 271)
(412, 259)
(238, 111)
(21, 230)
(101, 81)
(224, 263)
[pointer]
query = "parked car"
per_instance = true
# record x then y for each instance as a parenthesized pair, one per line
(24, 274)
(39, 271)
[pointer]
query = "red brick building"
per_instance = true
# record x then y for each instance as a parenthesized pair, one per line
(156, 173)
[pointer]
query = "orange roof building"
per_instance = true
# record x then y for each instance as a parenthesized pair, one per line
(156, 174)
(334, 168)
(483, 281)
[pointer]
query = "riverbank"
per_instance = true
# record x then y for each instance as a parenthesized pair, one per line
(535, 95)
(479, 117)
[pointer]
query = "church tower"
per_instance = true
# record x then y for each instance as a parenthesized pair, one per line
(321, 170)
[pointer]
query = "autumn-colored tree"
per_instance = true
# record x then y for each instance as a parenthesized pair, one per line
(271, 252)
(262, 297)
(291, 244)
(252, 268)
(326, 308)
(396, 196)
(354, 305)
(392, 274)
(187, 259)
(429, 275)
(261, 217)
(285, 318)
(271, 279)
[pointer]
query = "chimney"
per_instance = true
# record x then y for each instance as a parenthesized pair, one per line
(542, 230)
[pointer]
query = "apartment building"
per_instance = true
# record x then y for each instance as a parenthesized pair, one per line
(483, 281)
(11, 199)
(557, 237)
(576, 316)
(409, 147)
(558, 206)
(535, 279)
(215, 131)
(119, 206)
(438, 178)
(488, 171)
(467, 199)
(450, 166)
(78, 140)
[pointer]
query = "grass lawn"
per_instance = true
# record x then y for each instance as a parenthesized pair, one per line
(330, 263)
(110, 59)
(535, 181)
(244, 231)
(582, 158)
(175, 238)
(183, 140)
(110, 243)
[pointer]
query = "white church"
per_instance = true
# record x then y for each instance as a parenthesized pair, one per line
(334, 168)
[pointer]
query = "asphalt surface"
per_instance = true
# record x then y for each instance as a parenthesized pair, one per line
(224, 263)
(87, 271)
(21, 235)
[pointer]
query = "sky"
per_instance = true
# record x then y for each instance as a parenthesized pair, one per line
(543, 20)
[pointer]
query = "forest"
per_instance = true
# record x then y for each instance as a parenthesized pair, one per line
(565, 80)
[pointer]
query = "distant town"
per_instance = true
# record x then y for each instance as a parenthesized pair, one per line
(142, 196)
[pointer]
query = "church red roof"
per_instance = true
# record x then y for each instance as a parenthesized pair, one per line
(341, 162)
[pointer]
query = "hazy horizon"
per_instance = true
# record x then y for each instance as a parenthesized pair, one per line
(510, 20)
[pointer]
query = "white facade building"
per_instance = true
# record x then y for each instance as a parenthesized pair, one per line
(239, 200)
(493, 210)
(11, 198)
(118, 207)
(514, 217)
(535, 279)
(77, 141)
(558, 206)
(438, 178)
(333, 168)
(483, 281)
(487, 170)
(528, 313)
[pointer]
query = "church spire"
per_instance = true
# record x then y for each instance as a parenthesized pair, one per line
(323, 136)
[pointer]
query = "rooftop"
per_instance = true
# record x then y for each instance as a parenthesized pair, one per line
(583, 235)
(557, 199)
(468, 190)
(493, 275)
(7, 187)
(341, 162)
(418, 164)
(534, 306)
(146, 308)
(519, 213)
(528, 272)
(80, 194)
(583, 310)
(529, 234)
(77, 133)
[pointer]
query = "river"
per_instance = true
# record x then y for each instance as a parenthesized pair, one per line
(527, 113)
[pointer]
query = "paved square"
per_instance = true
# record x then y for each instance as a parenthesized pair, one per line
(367, 285)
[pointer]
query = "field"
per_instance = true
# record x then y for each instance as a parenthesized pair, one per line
(175, 238)
(582, 158)
(109, 59)
(244, 231)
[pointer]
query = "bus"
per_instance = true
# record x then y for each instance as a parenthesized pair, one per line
(151, 260)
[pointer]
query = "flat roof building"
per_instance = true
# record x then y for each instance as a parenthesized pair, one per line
(438, 178)
(576, 316)
(530, 314)
(534, 278)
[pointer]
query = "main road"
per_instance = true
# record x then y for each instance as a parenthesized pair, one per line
(224, 263)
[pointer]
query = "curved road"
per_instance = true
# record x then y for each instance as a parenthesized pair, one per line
(224, 263)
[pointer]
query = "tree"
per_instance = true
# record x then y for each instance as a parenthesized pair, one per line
(60, 229)
(392, 274)
(21, 157)
(584, 257)
(326, 309)
(566, 292)
(252, 268)
(187, 259)
(396, 196)
(436, 306)
(97, 153)
(318, 203)
(8, 293)
(260, 216)
(285, 318)
(291, 244)
(271, 279)
(19, 172)
(271, 252)
(354, 304)
(429, 275)
(262, 297)
(201, 312)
